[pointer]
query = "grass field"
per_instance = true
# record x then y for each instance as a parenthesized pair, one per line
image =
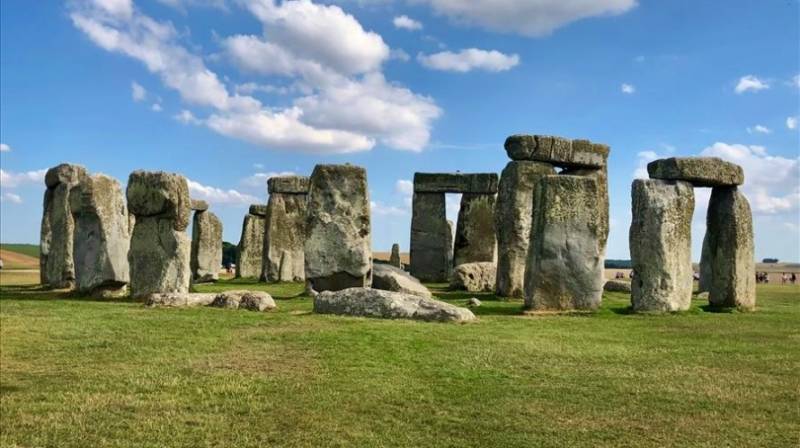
(31, 250)
(78, 373)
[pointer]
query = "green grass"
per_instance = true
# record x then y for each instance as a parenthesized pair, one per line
(31, 250)
(79, 373)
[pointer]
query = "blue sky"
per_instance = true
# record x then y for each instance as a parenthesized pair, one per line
(229, 92)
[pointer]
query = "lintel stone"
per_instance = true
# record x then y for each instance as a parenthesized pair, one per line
(699, 171)
(559, 151)
(478, 183)
(288, 184)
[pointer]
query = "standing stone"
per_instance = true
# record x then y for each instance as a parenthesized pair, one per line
(601, 175)
(206, 259)
(160, 250)
(431, 238)
(338, 252)
(704, 285)
(476, 239)
(729, 226)
(394, 258)
(56, 264)
(661, 245)
(101, 238)
(565, 256)
(513, 214)
(284, 233)
(250, 250)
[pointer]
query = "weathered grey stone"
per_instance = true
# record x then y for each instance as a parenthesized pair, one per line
(705, 266)
(101, 236)
(244, 300)
(368, 302)
(56, 263)
(484, 183)
(473, 302)
(179, 299)
(474, 277)
(390, 278)
(394, 258)
(284, 236)
(431, 248)
(288, 184)
(258, 210)
(199, 205)
(159, 257)
(250, 250)
(206, 259)
(602, 195)
(660, 245)
(338, 252)
(476, 239)
(558, 151)
(565, 256)
(513, 215)
(617, 286)
(160, 194)
(700, 171)
(729, 226)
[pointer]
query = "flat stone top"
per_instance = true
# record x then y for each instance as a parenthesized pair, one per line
(455, 183)
(258, 209)
(699, 171)
(199, 205)
(288, 184)
(559, 151)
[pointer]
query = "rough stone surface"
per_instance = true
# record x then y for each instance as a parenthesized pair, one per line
(390, 278)
(476, 239)
(473, 302)
(250, 250)
(368, 302)
(244, 300)
(160, 194)
(565, 256)
(101, 236)
(474, 277)
(258, 210)
(394, 258)
(513, 216)
(56, 263)
(159, 258)
(729, 225)
(700, 171)
(179, 299)
(338, 251)
(602, 195)
(479, 183)
(284, 236)
(558, 151)
(617, 286)
(705, 266)
(661, 245)
(431, 248)
(288, 184)
(206, 259)
(199, 205)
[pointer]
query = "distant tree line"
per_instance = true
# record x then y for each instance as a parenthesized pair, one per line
(228, 253)
(618, 264)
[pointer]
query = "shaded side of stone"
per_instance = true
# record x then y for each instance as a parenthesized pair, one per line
(484, 183)
(284, 238)
(476, 238)
(704, 285)
(699, 171)
(206, 259)
(394, 258)
(250, 250)
(431, 247)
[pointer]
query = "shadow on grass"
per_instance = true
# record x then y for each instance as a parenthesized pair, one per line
(39, 293)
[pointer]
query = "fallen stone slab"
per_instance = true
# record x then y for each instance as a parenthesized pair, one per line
(474, 277)
(179, 299)
(617, 286)
(245, 300)
(368, 302)
(479, 183)
(559, 151)
(699, 171)
(288, 184)
(390, 278)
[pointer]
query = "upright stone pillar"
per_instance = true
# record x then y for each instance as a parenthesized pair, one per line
(565, 263)
(431, 238)
(476, 239)
(729, 229)
(206, 260)
(250, 250)
(284, 233)
(704, 285)
(160, 250)
(394, 258)
(513, 215)
(661, 245)
(338, 252)
(56, 265)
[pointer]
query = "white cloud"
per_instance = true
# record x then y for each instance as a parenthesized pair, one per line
(628, 89)
(760, 129)
(469, 59)
(380, 209)
(404, 187)
(11, 197)
(219, 196)
(750, 83)
(791, 122)
(259, 180)
(9, 179)
(644, 157)
(406, 23)
(399, 54)
(526, 17)
(121, 9)
(156, 107)
(249, 88)
(5, 148)
(138, 92)
(186, 117)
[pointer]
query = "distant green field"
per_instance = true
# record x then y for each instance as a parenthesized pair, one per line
(31, 250)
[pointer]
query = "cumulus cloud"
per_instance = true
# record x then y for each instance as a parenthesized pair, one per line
(186, 117)
(259, 180)
(218, 195)
(791, 122)
(750, 83)
(526, 17)
(628, 89)
(138, 93)
(406, 23)
(469, 59)
(5, 148)
(10, 179)
(11, 197)
(760, 129)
